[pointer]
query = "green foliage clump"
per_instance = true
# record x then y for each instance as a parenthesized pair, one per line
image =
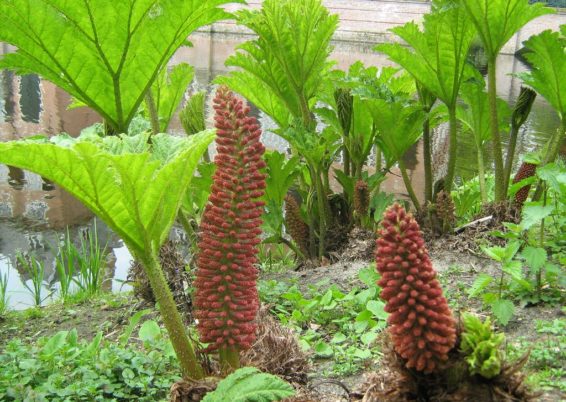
(248, 384)
(546, 53)
(330, 323)
(64, 368)
(283, 69)
(481, 345)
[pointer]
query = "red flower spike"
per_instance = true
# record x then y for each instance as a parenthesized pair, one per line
(226, 297)
(421, 323)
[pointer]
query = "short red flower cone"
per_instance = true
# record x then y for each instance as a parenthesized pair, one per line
(421, 323)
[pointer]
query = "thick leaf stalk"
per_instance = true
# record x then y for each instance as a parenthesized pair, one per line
(183, 347)
(226, 294)
(421, 323)
(409, 185)
(525, 171)
(296, 227)
(452, 150)
(494, 130)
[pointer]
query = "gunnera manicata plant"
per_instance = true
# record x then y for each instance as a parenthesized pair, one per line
(226, 298)
(421, 324)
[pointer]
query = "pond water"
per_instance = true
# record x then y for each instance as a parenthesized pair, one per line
(34, 214)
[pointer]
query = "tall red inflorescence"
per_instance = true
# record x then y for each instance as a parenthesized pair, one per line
(226, 295)
(421, 323)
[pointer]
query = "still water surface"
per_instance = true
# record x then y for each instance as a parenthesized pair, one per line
(34, 214)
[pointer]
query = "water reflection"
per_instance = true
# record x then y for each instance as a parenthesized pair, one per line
(6, 95)
(16, 178)
(30, 98)
(44, 246)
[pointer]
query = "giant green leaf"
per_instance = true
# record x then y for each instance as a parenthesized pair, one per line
(436, 56)
(497, 21)
(281, 173)
(135, 194)
(547, 54)
(104, 53)
(284, 67)
(399, 127)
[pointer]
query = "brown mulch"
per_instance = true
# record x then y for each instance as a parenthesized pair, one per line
(277, 351)
(177, 277)
(393, 382)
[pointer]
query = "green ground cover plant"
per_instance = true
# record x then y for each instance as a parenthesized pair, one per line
(331, 323)
(544, 367)
(64, 368)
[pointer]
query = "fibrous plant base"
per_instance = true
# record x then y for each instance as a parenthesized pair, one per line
(361, 198)
(226, 296)
(394, 382)
(186, 390)
(421, 324)
(177, 277)
(277, 351)
(445, 210)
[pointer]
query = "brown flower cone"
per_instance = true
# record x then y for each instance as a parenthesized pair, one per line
(296, 227)
(421, 323)
(361, 198)
(525, 171)
(445, 210)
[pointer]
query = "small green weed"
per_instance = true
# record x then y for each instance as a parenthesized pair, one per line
(35, 268)
(4, 298)
(331, 323)
(547, 355)
(275, 258)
